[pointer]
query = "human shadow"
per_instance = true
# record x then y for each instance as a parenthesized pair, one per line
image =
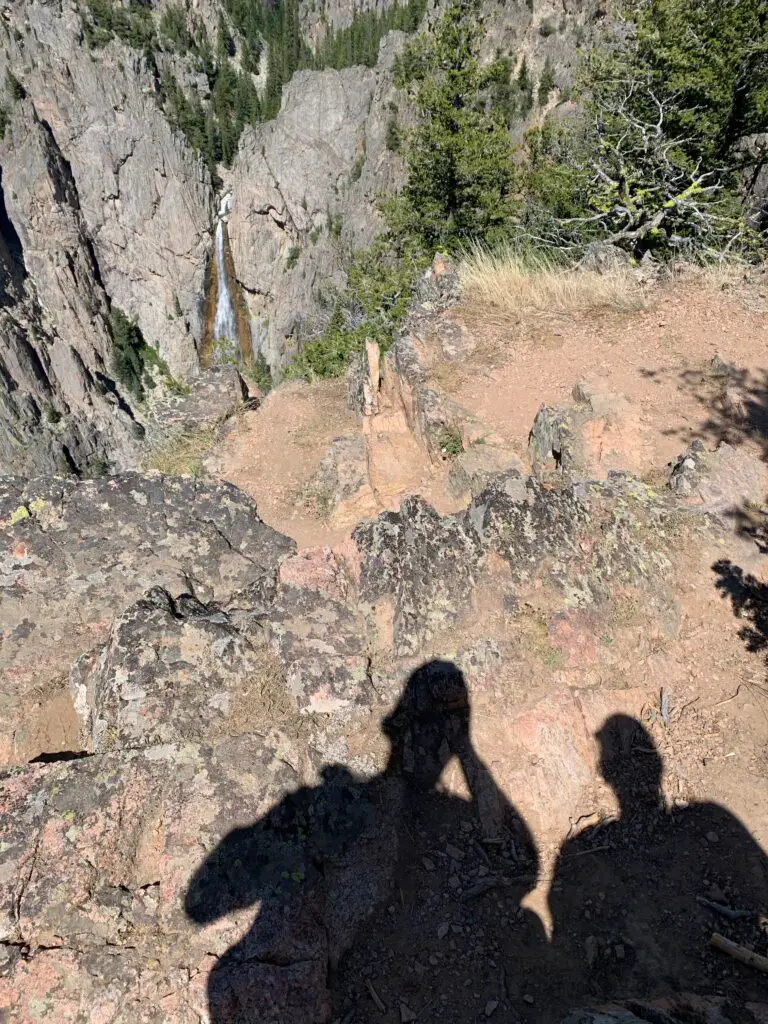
(635, 899)
(324, 858)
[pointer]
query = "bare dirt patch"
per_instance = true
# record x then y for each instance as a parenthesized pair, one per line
(272, 452)
(659, 358)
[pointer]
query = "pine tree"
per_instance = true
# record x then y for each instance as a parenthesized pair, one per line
(461, 171)
(546, 83)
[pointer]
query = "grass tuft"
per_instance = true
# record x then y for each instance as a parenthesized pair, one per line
(183, 454)
(509, 284)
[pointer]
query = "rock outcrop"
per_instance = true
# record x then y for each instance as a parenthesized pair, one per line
(211, 699)
(307, 182)
(87, 552)
(103, 205)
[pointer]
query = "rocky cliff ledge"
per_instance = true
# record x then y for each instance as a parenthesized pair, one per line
(184, 672)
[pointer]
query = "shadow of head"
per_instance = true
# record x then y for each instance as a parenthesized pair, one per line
(630, 762)
(429, 725)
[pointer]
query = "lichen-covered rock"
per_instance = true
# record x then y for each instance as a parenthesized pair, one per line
(96, 857)
(74, 555)
(425, 564)
(721, 480)
(321, 642)
(600, 434)
(342, 471)
(172, 672)
(473, 469)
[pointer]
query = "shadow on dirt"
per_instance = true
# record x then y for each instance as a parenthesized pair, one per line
(734, 403)
(389, 899)
(749, 599)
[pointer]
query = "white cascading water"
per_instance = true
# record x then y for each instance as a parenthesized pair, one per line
(224, 327)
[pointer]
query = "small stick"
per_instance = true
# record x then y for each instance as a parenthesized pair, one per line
(482, 853)
(744, 956)
(664, 707)
(375, 996)
(690, 702)
(426, 1006)
(484, 885)
(594, 849)
(730, 912)
(728, 699)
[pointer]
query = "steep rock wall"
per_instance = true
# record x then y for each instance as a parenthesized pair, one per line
(309, 180)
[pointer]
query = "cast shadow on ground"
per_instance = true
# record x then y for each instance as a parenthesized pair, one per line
(390, 892)
(733, 400)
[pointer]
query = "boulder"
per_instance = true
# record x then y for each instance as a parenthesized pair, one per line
(602, 432)
(342, 472)
(473, 469)
(74, 555)
(173, 671)
(721, 480)
(206, 401)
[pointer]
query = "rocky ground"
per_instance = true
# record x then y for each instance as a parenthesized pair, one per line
(497, 761)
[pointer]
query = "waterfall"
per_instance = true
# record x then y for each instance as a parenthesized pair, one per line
(224, 326)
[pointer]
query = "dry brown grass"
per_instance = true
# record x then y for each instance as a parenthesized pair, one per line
(508, 286)
(183, 454)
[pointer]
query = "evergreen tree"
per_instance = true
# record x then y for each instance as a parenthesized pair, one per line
(525, 88)
(461, 171)
(547, 82)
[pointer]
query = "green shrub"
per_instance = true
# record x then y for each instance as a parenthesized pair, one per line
(173, 28)
(393, 136)
(373, 305)
(293, 257)
(546, 83)
(357, 168)
(133, 359)
(257, 369)
(4, 119)
(451, 442)
(547, 28)
(653, 160)
(13, 87)
(335, 224)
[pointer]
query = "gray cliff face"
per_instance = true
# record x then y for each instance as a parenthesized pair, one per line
(60, 411)
(309, 180)
(105, 206)
(144, 194)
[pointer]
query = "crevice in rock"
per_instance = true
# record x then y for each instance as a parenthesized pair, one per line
(51, 757)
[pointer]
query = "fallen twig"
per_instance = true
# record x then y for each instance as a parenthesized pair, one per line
(484, 885)
(740, 953)
(593, 849)
(730, 912)
(664, 706)
(728, 699)
(375, 996)
(482, 853)
(426, 1006)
